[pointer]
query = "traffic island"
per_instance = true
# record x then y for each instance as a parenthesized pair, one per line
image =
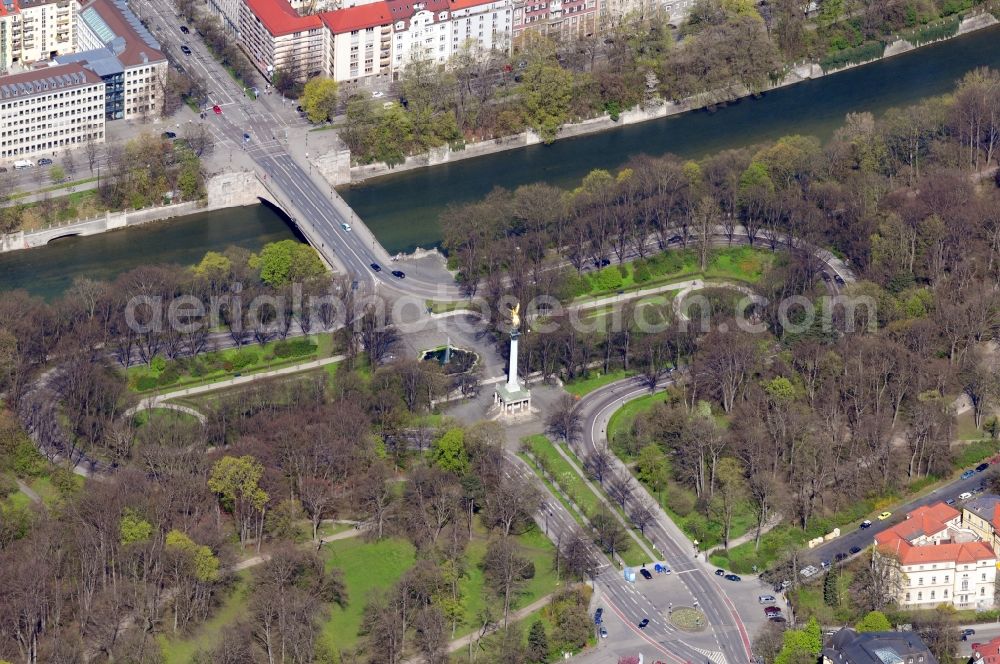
(687, 618)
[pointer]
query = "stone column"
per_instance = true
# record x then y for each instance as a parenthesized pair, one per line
(512, 383)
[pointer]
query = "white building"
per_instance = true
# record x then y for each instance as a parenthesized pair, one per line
(35, 30)
(436, 30)
(360, 42)
(940, 561)
(277, 39)
(47, 109)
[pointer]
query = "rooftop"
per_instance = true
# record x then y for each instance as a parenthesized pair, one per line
(986, 653)
(928, 521)
(358, 18)
(925, 521)
(101, 61)
(44, 80)
(280, 18)
(849, 647)
(121, 31)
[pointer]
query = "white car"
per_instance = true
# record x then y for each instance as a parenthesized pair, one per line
(378, 94)
(965, 495)
(346, 226)
(765, 599)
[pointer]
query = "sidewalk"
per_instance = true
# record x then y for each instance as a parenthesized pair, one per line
(264, 557)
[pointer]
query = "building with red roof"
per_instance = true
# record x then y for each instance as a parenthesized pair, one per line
(360, 42)
(986, 653)
(277, 39)
(940, 560)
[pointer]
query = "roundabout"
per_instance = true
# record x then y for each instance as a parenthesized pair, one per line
(687, 618)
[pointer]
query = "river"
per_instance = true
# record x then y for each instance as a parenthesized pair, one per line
(402, 210)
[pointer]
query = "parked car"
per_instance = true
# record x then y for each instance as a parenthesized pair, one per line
(217, 109)
(44, 161)
(184, 29)
(981, 467)
(675, 239)
(378, 94)
(839, 279)
(840, 556)
(777, 619)
(376, 267)
(598, 616)
(825, 564)
(855, 550)
(733, 577)
(604, 633)
(950, 501)
(967, 632)
(965, 495)
(645, 574)
(884, 515)
(865, 524)
(169, 135)
(967, 474)
(720, 572)
(399, 274)
(765, 599)
(643, 623)
(185, 49)
(772, 611)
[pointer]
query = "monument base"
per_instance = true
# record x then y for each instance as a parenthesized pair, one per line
(512, 401)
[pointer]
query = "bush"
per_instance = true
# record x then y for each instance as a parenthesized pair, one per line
(641, 273)
(158, 363)
(145, 383)
(27, 461)
(932, 33)
(607, 279)
(242, 359)
(169, 376)
(853, 56)
(7, 486)
(294, 348)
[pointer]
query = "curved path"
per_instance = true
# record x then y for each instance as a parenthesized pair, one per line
(730, 633)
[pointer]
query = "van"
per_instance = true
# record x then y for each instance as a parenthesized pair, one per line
(22, 164)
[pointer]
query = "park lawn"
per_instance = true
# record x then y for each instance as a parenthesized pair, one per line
(165, 415)
(567, 478)
(580, 387)
(622, 419)
(219, 365)
(558, 494)
(741, 263)
(368, 567)
(975, 452)
(966, 427)
(208, 634)
(472, 587)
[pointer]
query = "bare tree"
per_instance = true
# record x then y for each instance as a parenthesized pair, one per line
(564, 421)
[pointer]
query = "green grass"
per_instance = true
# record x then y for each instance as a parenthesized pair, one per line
(558, 494)
(739, 263)
(582, 386)
(975, 452)
(165, 415)
(622, 419)
(368, 567)
(54, 187)
(208, 634)
(966, 427)
(444, 307)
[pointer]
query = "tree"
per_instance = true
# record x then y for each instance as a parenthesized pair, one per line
(449, 451)
(801, 646)
(873, 621)
(546, 91)
(287, 261)
(564, 421)
(319, 99)
(57, 173)
(538, 643)
(506, 569)
(731, 494)
(237, 482)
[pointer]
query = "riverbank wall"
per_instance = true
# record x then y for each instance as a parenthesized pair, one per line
(337, 169)
(224, 190)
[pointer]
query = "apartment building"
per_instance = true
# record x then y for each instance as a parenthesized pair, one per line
(360, 42)
(276, 38)
(47, 109)
(35, 30)
(117, 47)
(981, 515)
(566, 19)
(941, 561)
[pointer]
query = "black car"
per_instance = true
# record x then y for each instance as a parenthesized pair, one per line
(399, 274)
(967, 632)
(44, 161)
(732, 577)
(840, 556)
(645, 574)
(824, 276)
(839, 279)
(602, 262)
(169, 135)
(981, 467)
(184, 29)
(185, 50)
(598, 616)
(676, 239)
(855, 549)
(720, 572)
(376, 267)
(643, 623)
(777, 619)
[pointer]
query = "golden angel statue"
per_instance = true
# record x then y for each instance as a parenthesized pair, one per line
(515, 317)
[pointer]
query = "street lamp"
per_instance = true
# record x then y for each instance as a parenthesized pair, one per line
(695, 548)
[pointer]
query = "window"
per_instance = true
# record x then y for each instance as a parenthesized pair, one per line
(920, 597)
(932, 594)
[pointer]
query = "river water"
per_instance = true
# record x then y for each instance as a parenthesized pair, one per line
(402, 210)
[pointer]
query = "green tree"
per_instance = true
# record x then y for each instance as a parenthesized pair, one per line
(288, 261)
(319, 99)
(831, 589)
(213, 266)
(205, 563)
(132, 528)
(538, 643)
(801, 646)
(874, 621)
(237, 482)
(57, 173)
(449, 451)
(546, 91)
(651, 467)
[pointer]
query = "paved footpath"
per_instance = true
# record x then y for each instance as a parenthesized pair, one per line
(264, 557)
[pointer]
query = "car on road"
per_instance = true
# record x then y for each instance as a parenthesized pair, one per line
(643, 623)
(720, 572)
(602, 262)
(645, 574)
(965, 495)
(840, 556)
(184, 29)
(598, 615)
(399, 274)
(777, 619)
(855, 550)
(772, 610)
(246, 137)
(950, 501)
(825, 564)
(185, 49)
(884, 515)
(217, 109)
(765, 599)
(967, 474)
(967, 632)
(839, 279)
(865, 524)
(981, 467)
(346, 226)
(604, 633)
(676, 239)
(375, 267)
(169, 135)
(824, 275)
(732, 577)
(44, 161)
